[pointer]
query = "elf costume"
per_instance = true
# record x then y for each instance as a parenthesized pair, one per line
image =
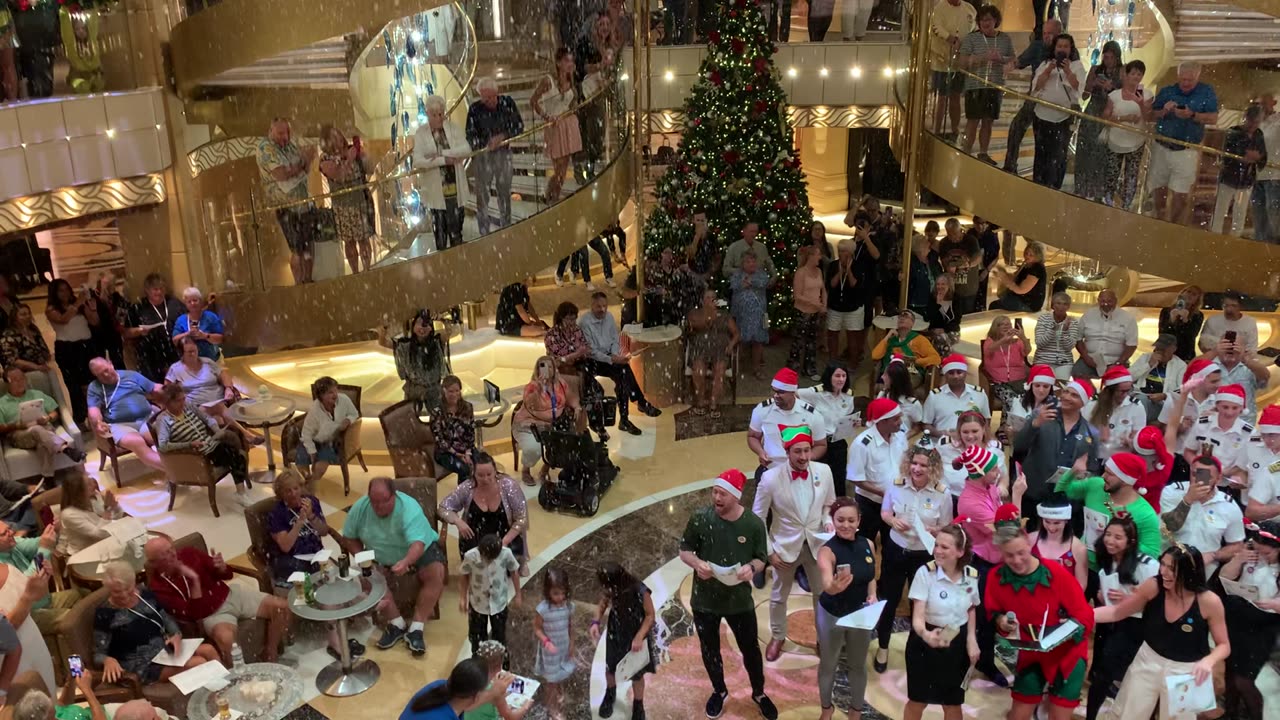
(1061, 670)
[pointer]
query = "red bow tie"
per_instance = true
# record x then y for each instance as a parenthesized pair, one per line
(799, 474)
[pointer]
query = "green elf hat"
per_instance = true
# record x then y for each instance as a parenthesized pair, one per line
(792, 434)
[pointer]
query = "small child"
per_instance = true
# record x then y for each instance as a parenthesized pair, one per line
(495, 586)
(494, 655)
(554, 660)
(627, 606)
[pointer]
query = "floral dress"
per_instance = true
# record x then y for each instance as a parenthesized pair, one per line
(351, 210)
(748, 306)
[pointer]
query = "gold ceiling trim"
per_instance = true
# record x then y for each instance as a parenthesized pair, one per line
(1215, 262)
(24, 214)
(220, 152)
(333, 310)
(798, 116)
(238, 33)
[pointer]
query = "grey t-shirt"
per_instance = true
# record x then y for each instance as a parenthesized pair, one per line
(975, 43)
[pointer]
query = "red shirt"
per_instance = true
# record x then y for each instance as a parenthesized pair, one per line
(174, 590)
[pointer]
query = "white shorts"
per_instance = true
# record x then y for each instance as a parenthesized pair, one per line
(1174, 169)
(854, 321)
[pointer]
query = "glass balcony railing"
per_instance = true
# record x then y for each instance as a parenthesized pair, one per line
(414, 210)
(1094, 133)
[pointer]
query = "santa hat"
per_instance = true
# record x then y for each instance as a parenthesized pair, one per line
(978, 461)
(954, 361)
(1150, 441)
(1082, 387)
(1269, 421)
(898, 357)
(1200, 369)
(792, 434)
(1128, 467)
(1115, 375)
(786, 380)
(1054, 507)
(882, 409)
(1008, 514)
(1042, 374)
(1267, 532)
(1230, 394)
(731, 481)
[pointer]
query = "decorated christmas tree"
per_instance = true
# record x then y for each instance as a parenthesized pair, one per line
(736, 159)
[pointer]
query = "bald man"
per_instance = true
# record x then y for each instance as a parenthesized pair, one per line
(192, 586)
(137, 710)
(1108, 336)
(119, 407)
(283, 167)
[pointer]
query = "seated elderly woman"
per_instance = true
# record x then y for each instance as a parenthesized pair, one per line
(184, 427)
(130, 628)
(208, 385)
(491, 503)
(85, 513)
(200, 324)
(329, 417)
(548, 402)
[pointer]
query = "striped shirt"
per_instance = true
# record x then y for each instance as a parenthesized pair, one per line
(180, 432)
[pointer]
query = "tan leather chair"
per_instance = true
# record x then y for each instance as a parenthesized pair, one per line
(409, 441)
(191, 467)
(347, 446)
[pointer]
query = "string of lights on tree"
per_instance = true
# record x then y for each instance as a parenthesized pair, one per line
(736, 157)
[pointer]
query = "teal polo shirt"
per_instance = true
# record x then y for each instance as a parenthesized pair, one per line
(389, 537)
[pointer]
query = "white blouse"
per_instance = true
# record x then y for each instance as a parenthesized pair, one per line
(946, 602)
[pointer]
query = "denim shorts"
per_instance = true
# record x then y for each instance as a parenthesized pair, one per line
(325, 452)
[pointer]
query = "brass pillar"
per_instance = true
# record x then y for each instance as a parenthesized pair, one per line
(640, 133)
(915, 128)
(824, 153)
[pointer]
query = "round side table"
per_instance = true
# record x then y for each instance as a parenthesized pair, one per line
(264, 414)
(337, 601)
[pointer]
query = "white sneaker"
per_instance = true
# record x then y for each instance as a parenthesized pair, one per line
(242, 499)
(559, 281)
(610, 283)
(591, 287)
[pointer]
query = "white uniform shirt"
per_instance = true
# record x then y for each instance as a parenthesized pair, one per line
(874, 459)
(1241, 375)
(946, 603)
(767, 416)
(950, 452)
(1215, 325)
(1264, 472)
(1146, 569)
(1209, 525)
(1122, 427)
(912, 410)
(942, 408)
(1263, 577)
(932, 504)
(836, 411)
(1106, 337)
(1229, 445)
(1193, 409)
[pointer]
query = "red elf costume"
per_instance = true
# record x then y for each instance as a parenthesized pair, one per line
(1060, 671)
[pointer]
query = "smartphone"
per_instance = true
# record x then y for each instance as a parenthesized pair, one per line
(1229, 336)
(39, 561)
(843, 569)
(1203, 477)
(1017, 322)
(75, 666)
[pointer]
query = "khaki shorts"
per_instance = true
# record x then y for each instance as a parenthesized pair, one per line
(242, 603)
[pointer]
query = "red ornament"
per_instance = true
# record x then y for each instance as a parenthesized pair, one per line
(737, 45)
(730, 156)
(779, 246)
(780, 205)
(761, 65)
(715, 78)
(697, 122)
(760, 106)
(713, 37)
(750, 87)
(733, 13)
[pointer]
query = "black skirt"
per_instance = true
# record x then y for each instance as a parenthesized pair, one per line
(934, 675)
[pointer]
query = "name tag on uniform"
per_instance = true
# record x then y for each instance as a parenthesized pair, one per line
(1274, 467)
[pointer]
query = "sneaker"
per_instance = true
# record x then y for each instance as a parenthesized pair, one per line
(626, 426)
(606, 703)
(609, 281)
(242, 499)
(559, 281)
(591, 287)
(715, 704)
(354, 648)
(390, 636)
(650, 410)
(767, 708)
(415, 642)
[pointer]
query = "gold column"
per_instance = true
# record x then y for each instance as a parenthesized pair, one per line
(823, 154)
(915, 107)
(640, 139)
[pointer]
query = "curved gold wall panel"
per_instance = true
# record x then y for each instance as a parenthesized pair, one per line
(32, 211)
(1211, 260)
(237, 33)
(333, 310)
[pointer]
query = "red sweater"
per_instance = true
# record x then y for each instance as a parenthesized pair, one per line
(173, 590)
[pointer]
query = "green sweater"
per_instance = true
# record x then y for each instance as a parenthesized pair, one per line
(1094, 494)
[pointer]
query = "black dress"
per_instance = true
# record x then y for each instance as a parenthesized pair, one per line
(1185, 332)
(626, 615)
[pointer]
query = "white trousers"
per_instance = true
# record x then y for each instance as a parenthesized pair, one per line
(1234, 199)
(1144, 686)
(854, 15)
(782, 581)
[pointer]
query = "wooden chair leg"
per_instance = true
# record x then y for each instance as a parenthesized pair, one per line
(213, 498)
(115, 468)
(102, 460)
(515, 454)
(360, 457)
(173, 494)
(346, 478)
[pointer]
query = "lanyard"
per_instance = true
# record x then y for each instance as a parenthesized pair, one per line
(185, 583)
(113, 396)
(164, 317)
(152, 609)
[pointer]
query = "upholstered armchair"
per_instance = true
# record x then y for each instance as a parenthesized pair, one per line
(347, 446)
(409, 441)
(192, 467)
(17, 464)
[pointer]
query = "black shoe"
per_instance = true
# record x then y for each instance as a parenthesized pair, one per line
(353, 647)
(73, 452)
(626, 426)
(715, 704)
(650, 410)
(767, 708)
(637, 710)
(606, 703)
(416, 644)
(880, 667)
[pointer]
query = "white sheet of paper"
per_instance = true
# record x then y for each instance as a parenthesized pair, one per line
(727, 575)
(1095, 523)
(528, 689)
(633, 663)
(298, 577)
(126, 529)
(99, 552)
(1186, 697)
(30, 411)
(864, 619)
(922, 532)
(188, 681)
(1235, 587)
(322, 556)
(306, 557)
(1110, 581)
(362, 557)
(185, 651)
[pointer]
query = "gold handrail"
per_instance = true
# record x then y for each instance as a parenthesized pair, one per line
(420, 171)
(1137, 130)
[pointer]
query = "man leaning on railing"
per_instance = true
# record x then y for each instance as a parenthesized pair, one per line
(1181, 111)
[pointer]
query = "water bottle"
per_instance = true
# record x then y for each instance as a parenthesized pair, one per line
(237, 655)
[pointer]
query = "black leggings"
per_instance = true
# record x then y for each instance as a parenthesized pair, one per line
(231, 458)
(986, 629)
(818, 25)
(744, 628)
(899, 566)
(73, 362)
(481, 627)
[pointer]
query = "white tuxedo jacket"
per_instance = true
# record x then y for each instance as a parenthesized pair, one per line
(792, 525)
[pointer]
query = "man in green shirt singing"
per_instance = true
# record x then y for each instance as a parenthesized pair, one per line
(716, 539)
(1113, 492)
